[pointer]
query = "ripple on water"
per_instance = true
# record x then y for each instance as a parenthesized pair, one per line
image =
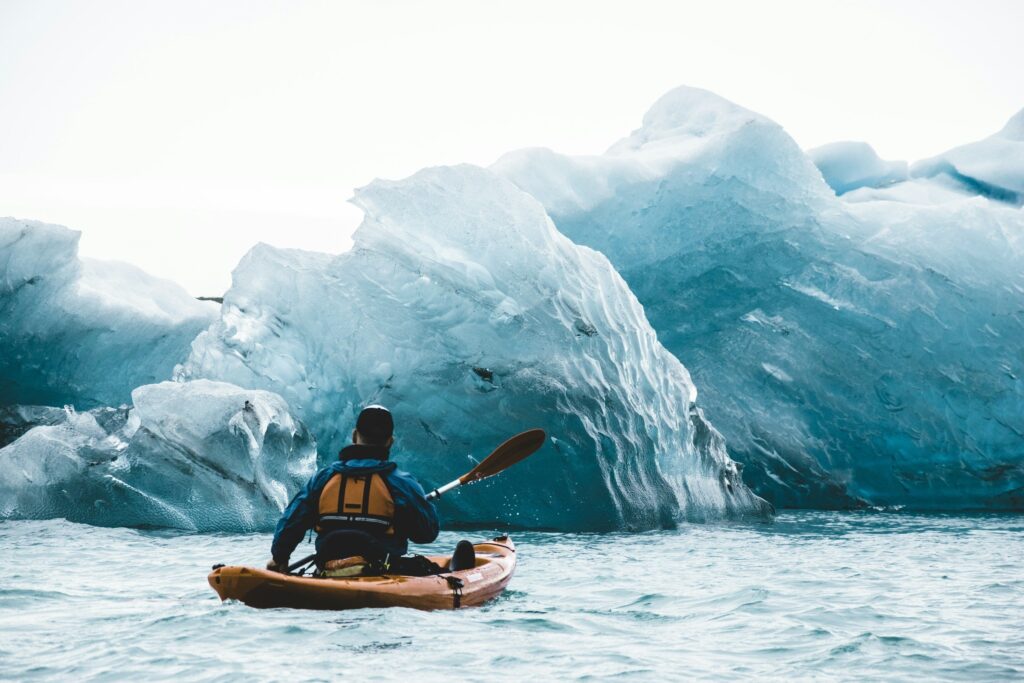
(12, 598)
(815, 595)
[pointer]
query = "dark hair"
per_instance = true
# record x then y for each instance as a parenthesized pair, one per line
(375, 424)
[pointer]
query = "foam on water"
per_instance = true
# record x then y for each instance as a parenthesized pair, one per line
(814, 595)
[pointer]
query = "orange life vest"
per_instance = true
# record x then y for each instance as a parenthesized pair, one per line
(361, 502)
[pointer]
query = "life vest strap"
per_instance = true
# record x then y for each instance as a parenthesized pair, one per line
(366, 519)
(357, 500)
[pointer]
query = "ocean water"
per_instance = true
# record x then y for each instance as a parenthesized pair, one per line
(829, 596)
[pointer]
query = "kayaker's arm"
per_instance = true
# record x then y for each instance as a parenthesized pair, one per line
(298, 518)
(415, 516)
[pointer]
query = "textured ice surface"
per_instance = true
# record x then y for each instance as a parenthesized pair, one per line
(851, 353)
(199, 455)
(849, 165)
(462, 309)
(993, 167)
(84, 332)
(16, 420)
(941, 189)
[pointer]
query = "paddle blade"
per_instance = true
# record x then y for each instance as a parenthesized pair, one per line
(507, 454)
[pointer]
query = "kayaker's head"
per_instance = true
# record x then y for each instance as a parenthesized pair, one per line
(374, 427)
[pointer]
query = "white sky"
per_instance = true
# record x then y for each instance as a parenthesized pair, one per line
(177, 134)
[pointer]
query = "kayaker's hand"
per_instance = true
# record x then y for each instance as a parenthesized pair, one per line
(275, 567)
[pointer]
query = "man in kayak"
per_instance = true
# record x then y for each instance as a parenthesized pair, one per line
(361, 505)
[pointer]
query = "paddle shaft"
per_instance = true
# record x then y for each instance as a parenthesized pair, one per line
(441, 490)
(304, 561)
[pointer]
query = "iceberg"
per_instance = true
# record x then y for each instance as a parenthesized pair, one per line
(854, 330)
(16, 420)
(993, 167)
(852, 353)
(848, 166)
(463, 309)
(81, 331)
(202, 456)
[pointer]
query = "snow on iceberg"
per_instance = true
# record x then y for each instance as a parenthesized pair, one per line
(850, 165)
(850, 353)
(462, 309)
(80, 331)
(993, 167)
(198, 455)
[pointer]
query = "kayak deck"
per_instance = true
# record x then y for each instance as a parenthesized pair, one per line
(495, 563)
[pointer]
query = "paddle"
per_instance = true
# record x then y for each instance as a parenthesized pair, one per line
(504, 456)
(519, 447)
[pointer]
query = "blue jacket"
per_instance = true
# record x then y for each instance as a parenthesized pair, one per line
(415, 517)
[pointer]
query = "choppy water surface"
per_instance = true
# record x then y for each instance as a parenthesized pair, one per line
(813, 595)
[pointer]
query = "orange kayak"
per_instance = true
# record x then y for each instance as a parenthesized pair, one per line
(495, 562)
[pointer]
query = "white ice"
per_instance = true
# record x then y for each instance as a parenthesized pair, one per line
(198, 455)
(862, 352)
(84, 332)
(993, 167)
(462, 309)
(854, 350)
(847, 166)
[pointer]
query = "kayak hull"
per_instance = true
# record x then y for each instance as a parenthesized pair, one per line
(496, 561)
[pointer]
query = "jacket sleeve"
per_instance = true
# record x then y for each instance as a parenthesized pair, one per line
(298, 518)
(415, 517)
